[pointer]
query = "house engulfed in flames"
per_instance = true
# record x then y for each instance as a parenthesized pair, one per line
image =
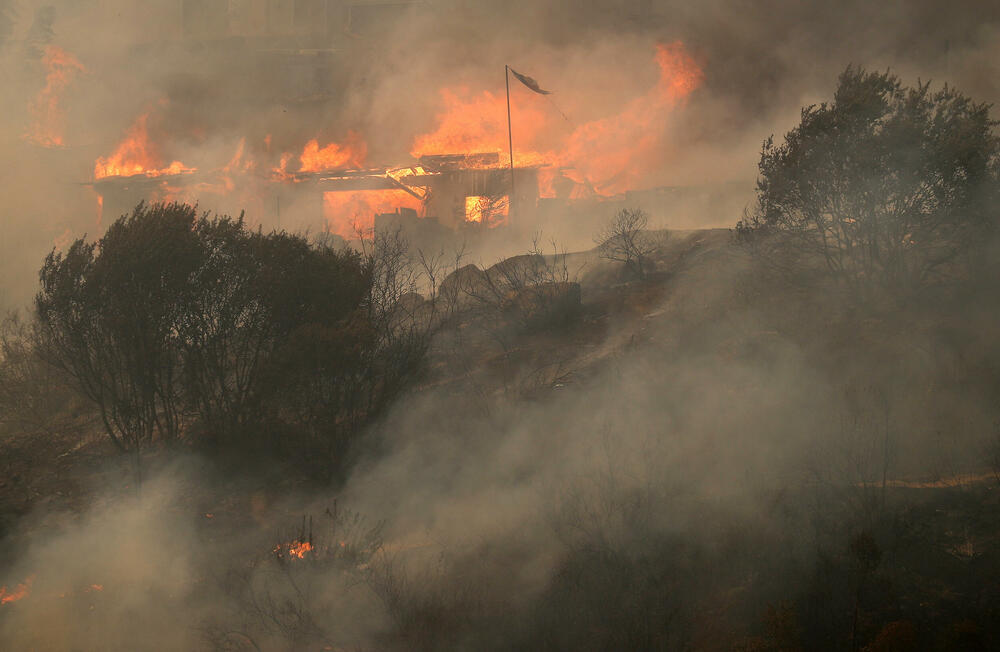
(454, 188)
(451, 189)
(299, 55)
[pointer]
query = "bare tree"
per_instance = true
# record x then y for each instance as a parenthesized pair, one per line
(35, 397)
(433, 268)
(625, 240)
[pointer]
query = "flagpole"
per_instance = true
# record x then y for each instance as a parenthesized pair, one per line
(510, 143)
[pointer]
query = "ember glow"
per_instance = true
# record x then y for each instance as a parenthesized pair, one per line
(17, 592)
(136, 155)
(297, 549)
(48, 115)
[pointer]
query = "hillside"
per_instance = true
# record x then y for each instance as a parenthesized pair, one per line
(664, 437)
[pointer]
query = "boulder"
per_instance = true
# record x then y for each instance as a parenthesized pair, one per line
(544, 305)
(462, 284)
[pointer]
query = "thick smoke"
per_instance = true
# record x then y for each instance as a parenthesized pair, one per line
(690, 420)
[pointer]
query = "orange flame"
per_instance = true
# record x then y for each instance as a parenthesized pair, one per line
(478, 123)
(49, 117)
(280, 171)
(614, 153)
(609, 155)
(18, 592)
(297, 549)
(474, 209)
(348, 212)
(300, 549)
(335, 155)
(351, 153)
(604, 156)
(136, 156)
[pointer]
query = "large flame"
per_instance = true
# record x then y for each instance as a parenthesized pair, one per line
(478, 123)
(614, 154)
(347, 213)
(136, 156)
(610, 154)
(350, 153)
(48, 116)
(334, 156)
(617, 152)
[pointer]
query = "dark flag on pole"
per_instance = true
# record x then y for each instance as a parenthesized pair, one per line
(532, 85)
(529, 82)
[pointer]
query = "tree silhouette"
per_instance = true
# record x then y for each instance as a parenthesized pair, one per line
(887, 189)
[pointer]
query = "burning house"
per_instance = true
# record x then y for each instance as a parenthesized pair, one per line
(299, 54)
(458, 173)
(452, 190)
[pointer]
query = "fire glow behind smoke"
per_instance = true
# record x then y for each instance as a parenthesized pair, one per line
(48, 115)
(348, 212)
(611, 152)
(17, 592)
